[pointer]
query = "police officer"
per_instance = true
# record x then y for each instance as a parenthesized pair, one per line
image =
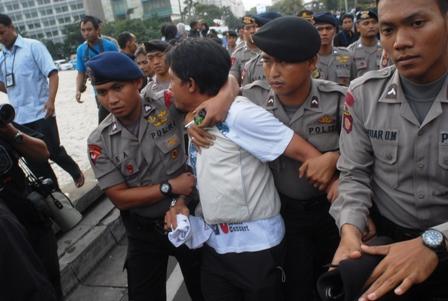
(334, 63)
(394, 156)
(245, 52)
(137, 155)
(367, 50)
(14, 191)
(156, 51)
(310, 107)
(253, 69)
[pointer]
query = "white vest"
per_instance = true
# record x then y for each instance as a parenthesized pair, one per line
(234, 186)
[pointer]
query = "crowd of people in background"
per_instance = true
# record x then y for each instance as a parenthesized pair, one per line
(292, 158)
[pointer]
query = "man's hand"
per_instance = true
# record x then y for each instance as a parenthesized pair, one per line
(183, 184)
(349, 246)
(170, 216)
(216, 112)
(7, 131)
(320, 170)
(333, 190)
(406, 263)
(370, 230)
(78, 97)
(200, 137)
(49, 107)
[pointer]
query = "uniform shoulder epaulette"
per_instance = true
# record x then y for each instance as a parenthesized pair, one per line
(329, 86)
(237, 50)
(372, 75)
(257, 84)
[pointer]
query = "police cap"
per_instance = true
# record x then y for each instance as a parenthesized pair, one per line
(366, 14)
(248, 20)
(156, 45)
(325, 18)
(264, 18)
(289, 39)
(306, 14)
(112, 66)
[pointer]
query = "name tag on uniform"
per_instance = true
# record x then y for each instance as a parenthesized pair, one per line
(444, 138)
(10, 82)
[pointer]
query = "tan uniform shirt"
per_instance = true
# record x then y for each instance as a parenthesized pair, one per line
(389, 159)
(335, 67)
(156, 155)
(253, 70)
(365, 58)
(239, 58)
(315, 121)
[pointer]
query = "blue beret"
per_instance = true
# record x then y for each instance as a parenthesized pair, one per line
(366, 14)
(112, 66)
(264, 18)
(325, 18)
(283, 38)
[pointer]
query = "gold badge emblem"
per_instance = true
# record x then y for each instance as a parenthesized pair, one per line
(158, 119)
(316, 73)
(343, 59)
(326, 119)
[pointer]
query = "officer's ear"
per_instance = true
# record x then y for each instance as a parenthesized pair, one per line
(192, 85)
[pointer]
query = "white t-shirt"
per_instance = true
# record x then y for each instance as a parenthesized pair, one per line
(266, 138)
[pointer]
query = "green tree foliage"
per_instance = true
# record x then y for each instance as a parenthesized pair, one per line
(229, 18)
(287, 7)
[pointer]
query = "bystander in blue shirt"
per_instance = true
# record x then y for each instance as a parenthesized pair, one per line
(86, 52)
(21, 60)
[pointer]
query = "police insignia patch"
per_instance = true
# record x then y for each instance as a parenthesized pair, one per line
(158, 119)
(349, 99)
(315, 73)
(314, 102)
(343, 59)
(348, 122)
(94, 152)
(130, 169)
(167, 95)
(270, 102)
(392, 92)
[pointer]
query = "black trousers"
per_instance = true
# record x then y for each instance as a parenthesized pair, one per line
(147, 259)
(247, 276)
(435, 288)
(49, 129)
(311, 240)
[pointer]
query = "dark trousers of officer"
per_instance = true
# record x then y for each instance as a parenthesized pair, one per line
(147, 260)
(247, 276)
(49, 129)
(22, 276)
(435, 288)
(311, 240)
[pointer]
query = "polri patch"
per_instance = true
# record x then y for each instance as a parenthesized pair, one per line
(348, 122)
(94, 152)
(349, 99)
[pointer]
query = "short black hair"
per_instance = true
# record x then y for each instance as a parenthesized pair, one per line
(202, 60)
(443, 5)
(140, 50)
(94, 20)
(5, 20)
(123, 38)
(193, 23)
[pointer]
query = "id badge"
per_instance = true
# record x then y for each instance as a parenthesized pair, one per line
(10, 82)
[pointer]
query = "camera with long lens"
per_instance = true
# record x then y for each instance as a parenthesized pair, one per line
(7, 114)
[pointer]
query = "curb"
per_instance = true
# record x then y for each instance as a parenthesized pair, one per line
(100, 229)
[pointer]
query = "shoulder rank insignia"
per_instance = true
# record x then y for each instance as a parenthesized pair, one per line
(392, 92)
(314, 102)
(270, 102)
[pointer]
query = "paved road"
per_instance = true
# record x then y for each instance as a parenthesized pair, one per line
(75, 121)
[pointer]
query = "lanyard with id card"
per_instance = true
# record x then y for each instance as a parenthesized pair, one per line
(9, 77)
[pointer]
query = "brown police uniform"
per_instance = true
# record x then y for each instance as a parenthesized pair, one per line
(310, 230)
(365, 58)
(335, 67)
(239, 58)
(392, 162)
(156, 154)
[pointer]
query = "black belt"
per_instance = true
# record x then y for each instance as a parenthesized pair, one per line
(308, 204)
(143, 223)
(385, 227)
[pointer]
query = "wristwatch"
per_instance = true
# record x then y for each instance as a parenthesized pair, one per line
(166, 189)
(435, 240)
(18, 137)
